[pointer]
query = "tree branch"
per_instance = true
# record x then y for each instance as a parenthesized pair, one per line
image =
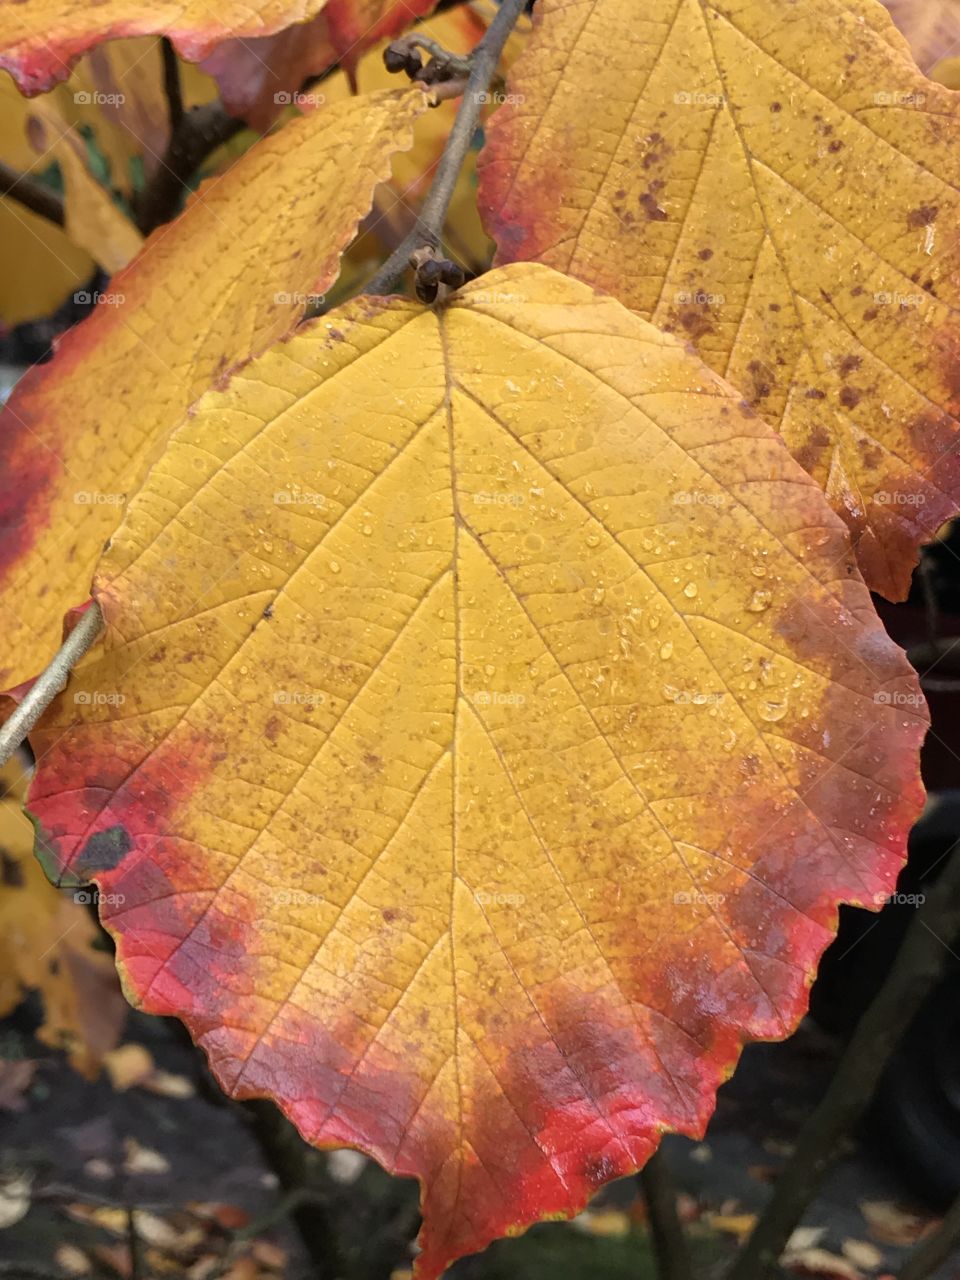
(198, 132)
(914, 973)
(51, 682)
(171, 83)
(33, 195)
(429, 226)
(666, 1230)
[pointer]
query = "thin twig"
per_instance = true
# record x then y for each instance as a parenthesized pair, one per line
(666, 1230)
(33, 195)
(171, 83)
(47, 685)
(429, 225)
(929, 1253)
(915, 971)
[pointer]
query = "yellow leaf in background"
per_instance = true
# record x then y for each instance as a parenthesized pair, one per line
(779, 185)
(93, 219)
(224, 280)
(500, 728)
(39, 266)
(47, 942)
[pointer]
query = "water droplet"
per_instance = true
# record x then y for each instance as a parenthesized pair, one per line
(759, 601)
(334, 566)
(666, 650)
(772, 711)
(690, 590)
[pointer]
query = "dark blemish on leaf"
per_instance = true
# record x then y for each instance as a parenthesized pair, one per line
(775, 107)
(763, 379)
(104, 850)
(922, 217)
(54, 966)
(814, 393)
(835, 145)
(871, 313)
(850, 397)
(389, 914)
(268, 611)
(336, 335)
(705, 255)
(848, 364)
(857, 291)
(271, 729)
(373, 761)
(654, 211)
(773, 306)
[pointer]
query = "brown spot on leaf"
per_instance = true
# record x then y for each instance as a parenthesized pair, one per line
(923, 216)
(850, 397)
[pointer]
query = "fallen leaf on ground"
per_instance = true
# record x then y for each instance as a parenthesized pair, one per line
(894, 1224)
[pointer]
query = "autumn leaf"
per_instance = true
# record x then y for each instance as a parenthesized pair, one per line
(259, 76)
(92, 218)
(778, 184)
(48, 945)
(230, 276)
(41, 39)
(503, 718)
(39, 266)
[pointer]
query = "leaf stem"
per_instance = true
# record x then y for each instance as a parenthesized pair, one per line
(428, 228)
(47, 685)
(915, 971)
